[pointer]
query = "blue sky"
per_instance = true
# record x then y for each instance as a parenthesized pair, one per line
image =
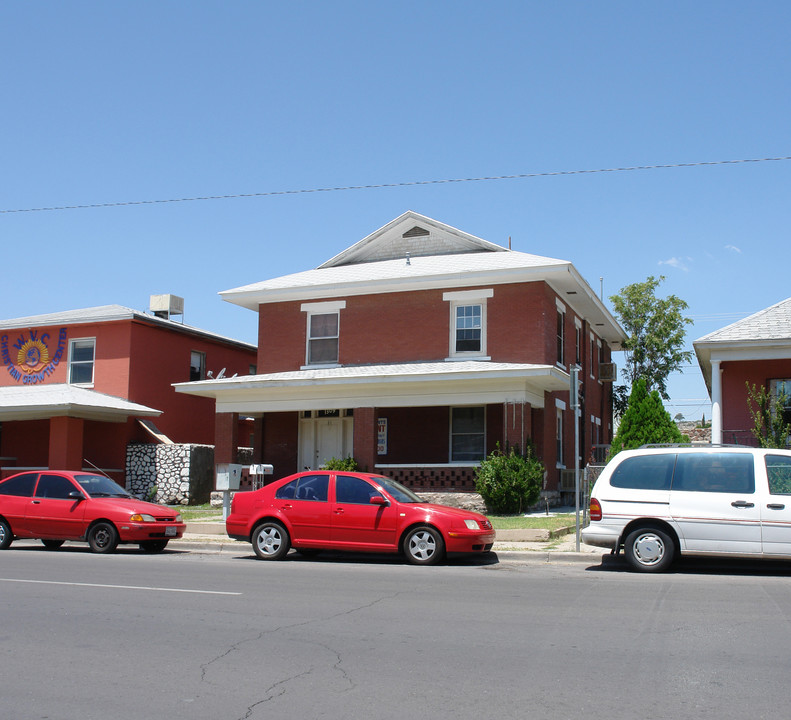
(134, 101)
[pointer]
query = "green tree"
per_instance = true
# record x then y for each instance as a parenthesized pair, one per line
(655, 329)
(769, 426)
(510, 482)
(645, 421)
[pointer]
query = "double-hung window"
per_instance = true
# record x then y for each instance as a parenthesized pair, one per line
(561, 333)
(82, 354)
(323, 332)
(467, 323)
(467, 434)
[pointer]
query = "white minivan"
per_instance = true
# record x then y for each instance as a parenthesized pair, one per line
(659, 502)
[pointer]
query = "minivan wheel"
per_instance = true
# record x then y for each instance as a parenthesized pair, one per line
(649, 550)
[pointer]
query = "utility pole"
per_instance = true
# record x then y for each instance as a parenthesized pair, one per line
(574, 404)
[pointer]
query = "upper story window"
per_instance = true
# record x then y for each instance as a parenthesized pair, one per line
(468, 322)
(197, 366)
(323, 332)
(578, 342)
(81, 360)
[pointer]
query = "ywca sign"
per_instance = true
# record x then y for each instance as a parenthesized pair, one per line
(30, 358)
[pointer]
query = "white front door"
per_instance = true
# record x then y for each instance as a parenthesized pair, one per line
(321, 439)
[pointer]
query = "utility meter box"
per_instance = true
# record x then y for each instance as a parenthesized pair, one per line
(229, 475)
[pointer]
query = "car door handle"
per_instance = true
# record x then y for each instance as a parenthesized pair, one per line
(742, 504)
(338, 511)
(37, 502)
(776, 506)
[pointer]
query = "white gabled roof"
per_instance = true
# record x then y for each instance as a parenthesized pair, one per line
(439, 257)
(31, 402)
(413, 234)
(765, 335)
(110, 313)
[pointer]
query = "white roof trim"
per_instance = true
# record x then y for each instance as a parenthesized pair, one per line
(37, 402)
(401, 385)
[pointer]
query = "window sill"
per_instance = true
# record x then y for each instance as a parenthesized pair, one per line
(462, 358)
(318, 366)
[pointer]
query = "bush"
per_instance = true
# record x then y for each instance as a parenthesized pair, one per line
(348, 464)
(509, 482)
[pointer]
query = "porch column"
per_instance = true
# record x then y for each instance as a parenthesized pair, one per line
(65, 443)
(518, 424)
(226, 440)
(365, 433)
(716, 403)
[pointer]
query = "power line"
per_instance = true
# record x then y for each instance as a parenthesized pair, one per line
(378, 186)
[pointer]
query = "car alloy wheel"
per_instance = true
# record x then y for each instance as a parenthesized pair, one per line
(424, 546)
(271, 541)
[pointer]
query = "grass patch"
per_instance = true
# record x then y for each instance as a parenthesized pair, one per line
(199, 512)
(533, 522)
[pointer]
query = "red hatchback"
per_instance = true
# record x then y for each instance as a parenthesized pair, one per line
(55, 506)
(325, 510)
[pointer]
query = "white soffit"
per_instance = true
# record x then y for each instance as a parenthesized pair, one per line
(408, 385)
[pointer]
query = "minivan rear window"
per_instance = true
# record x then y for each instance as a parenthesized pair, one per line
(715, 472)
(644, 472)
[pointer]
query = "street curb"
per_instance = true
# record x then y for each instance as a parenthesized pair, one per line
(541, 557)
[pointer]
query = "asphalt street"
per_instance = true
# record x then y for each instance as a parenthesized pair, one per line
(220, 635)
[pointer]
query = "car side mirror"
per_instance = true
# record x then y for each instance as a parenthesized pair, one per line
(378, 500)
(76, 495)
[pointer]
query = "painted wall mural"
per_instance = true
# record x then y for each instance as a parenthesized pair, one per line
(31, 358)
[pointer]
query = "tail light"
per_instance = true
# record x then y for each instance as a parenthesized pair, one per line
(595, 511)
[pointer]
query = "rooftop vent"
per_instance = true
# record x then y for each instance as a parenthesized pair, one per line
(416, 231)
(166, 306)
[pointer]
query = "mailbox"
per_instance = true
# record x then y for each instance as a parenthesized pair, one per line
(229, 476)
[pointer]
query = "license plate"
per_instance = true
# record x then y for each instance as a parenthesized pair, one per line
(170, 531)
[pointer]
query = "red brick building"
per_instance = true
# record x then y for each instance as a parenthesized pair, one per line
(416, 351)
(755, 351)
(77, 387)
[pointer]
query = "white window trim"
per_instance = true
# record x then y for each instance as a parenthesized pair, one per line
(321, 308)
(560, 427)
(467, 297)
(72, 343)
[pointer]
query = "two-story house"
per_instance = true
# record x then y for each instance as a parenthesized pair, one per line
(77, 387)
(416, 351)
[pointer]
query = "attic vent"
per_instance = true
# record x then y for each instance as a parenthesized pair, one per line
(415, 232)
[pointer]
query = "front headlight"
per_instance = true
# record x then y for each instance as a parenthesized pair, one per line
(138, 517)
(178, 518)
(472, 524)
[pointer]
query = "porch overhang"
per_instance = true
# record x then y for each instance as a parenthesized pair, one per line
(398, 385)
(42, 402)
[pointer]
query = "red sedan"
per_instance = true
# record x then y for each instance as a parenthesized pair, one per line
(55, 506)
(325, 510)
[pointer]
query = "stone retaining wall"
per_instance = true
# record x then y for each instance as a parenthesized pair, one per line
(181, 474)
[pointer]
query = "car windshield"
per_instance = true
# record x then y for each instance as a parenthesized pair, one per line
(98, 486)
(397, 490)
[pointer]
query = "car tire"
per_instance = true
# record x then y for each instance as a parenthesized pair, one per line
(52, 544)
(648, 549)
(6, 536)
(424, 545)
(153, 546)
(103, 537)
(271, 541)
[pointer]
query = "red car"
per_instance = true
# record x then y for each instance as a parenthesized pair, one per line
(326, 510)
(55, 506)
